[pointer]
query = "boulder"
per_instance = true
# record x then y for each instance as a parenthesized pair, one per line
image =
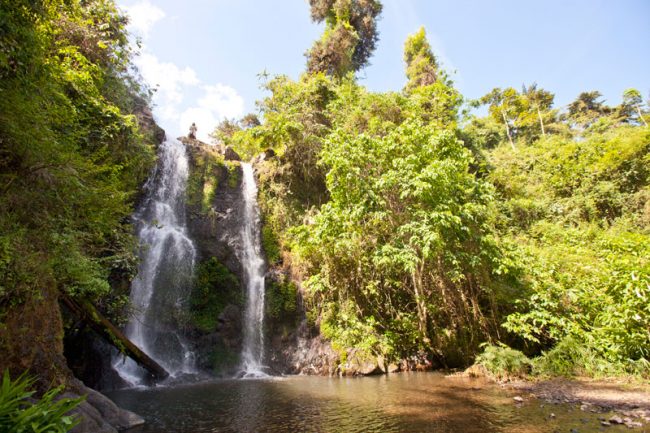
(229, 154)
(392, 368)
(476, 370)
(264, 156)
(98, 414)
(359, 363)
(311, 355)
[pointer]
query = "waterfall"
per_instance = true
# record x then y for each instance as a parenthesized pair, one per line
(254, 267)
(160, 291)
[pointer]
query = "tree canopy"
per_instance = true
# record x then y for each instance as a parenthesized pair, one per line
(350, 35)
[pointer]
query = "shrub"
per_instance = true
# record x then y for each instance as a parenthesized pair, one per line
(504, 363)
(19, 413)
(572, 357)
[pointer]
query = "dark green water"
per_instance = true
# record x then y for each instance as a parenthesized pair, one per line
(407, 402)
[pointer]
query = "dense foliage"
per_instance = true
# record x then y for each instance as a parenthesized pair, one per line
(402, 227)
(71, 154)
(578, 209)
(412, 230)
(350, 35)
(373, 199)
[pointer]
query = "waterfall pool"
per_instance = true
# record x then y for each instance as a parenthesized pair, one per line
(405, 402)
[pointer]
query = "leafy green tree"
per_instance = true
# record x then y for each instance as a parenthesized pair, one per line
(587, 109)
(404, 218)
(225, 130)
(539, 102)
(350, 35)
(421, 64)
(631, 106)
(504, 107)
(73, 152)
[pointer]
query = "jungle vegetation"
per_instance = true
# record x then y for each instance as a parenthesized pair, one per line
(409, 225)
(76, 144)
(415, 226)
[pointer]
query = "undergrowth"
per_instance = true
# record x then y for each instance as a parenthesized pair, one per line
(20, 413)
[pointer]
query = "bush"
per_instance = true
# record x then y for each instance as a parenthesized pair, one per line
(504, 363)
(571, 357)
(20, 414)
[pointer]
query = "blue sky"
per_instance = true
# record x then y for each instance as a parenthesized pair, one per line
(205, 54)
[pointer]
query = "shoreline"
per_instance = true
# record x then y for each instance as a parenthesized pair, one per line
(630, 402)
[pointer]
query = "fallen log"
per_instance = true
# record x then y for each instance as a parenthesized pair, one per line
(87, 312)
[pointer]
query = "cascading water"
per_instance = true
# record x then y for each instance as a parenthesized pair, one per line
(161, 288)
(253, 265)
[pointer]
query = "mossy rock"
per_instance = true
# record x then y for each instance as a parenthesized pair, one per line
(214, 288)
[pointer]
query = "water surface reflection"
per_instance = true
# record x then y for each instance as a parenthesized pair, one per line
(407, 402)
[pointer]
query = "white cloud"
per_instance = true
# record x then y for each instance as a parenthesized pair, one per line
(217, 103)
(223, 100)
(142, 17)
(204, 119)
(172, 82)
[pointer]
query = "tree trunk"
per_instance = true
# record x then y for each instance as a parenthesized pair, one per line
(505, 122)
(641, 116)
(420, 302)
(541, 122)
(85, 311)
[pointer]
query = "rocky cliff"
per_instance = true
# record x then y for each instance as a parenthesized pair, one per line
(215, 215)
(214, 212)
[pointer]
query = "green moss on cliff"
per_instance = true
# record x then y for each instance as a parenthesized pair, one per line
(270, 245)
(215, 287)
(203, 179)
(234, 174)
(222, 358)
(282, 306)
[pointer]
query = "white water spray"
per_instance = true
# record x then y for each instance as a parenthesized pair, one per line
(253, 265)
(161, 288)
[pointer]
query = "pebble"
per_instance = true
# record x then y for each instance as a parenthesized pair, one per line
(616, 420)
(518, 399)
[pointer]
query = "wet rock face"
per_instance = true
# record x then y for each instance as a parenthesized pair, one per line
(214, 223)
(214, 213)
(146, 121)
(89, 358)
(31, 339)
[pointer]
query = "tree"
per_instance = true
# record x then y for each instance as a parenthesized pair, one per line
(225, 130)
(72, 155)
(538, 100)
(394, 257)
(632, 102)
(504, 107)
(250, 120)
(587, 108)
(421, 64)
(350, 35)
